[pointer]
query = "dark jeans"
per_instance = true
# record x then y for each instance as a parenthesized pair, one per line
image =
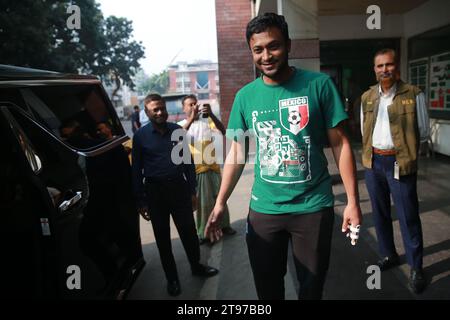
(380, 184)
(267, 242)
(167, 198)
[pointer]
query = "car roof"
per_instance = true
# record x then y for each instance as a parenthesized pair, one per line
(8, 73)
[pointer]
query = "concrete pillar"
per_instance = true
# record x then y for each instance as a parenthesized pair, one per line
(302, 18)
(404, 58)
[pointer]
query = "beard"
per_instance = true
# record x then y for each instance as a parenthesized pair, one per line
(274, 73)
(160, 120)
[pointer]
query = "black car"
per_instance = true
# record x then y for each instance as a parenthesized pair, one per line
(70, 228)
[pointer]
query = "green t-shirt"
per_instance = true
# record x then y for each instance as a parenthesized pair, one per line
(289, 123)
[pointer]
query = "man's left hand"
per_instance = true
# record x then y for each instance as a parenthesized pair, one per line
(206, 109)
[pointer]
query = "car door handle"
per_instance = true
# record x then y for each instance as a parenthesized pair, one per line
(66, 204)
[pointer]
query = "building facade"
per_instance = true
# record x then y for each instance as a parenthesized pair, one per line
(200, 78)
(340, 38)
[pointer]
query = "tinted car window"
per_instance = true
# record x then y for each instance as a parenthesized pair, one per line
(72, 112)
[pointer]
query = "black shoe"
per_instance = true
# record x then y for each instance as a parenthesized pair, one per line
(204, 271)
(417, 280)
(202, 241)
(173, 288)
(388, 262)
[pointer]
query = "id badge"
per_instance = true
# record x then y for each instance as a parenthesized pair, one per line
(396, 171)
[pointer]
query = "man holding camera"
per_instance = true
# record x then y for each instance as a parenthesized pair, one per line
(200, 124)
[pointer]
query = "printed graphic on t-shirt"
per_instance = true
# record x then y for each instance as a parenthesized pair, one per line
(294, 114)
(282, 159)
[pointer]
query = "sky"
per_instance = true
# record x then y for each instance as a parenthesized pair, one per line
(170, 30)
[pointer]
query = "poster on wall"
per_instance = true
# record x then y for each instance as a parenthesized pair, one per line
(440, 82)
(418, 74)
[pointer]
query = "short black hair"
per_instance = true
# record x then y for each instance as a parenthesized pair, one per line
(152, 97)
(261, 23)
(189, 96)
(136, 107)
(385, 51)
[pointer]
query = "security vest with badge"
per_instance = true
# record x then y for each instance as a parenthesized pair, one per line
(402, 122)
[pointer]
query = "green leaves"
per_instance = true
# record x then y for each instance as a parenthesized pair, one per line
(34, 33)
(157, 83)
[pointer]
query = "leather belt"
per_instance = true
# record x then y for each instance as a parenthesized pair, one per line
(384, 152)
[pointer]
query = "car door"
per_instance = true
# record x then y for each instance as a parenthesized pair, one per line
(25, 269)
(85, 185)
(60, 198)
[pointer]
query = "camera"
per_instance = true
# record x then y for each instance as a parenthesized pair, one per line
(205, 115)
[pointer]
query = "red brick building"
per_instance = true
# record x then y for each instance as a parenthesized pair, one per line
(199, 78)
(235, 62)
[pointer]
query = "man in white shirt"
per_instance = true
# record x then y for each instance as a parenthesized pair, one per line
(200, 123)
(394, 121)
(143, 119)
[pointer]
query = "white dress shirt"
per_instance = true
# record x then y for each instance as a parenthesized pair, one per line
(143, 119)
(382, 138)
(199, 129)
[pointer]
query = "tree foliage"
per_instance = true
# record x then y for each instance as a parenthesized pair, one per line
(157, 83)
(23, 42)
(34, 33)
(120, 54)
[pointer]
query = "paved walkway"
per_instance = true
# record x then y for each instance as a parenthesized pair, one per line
(347, 274)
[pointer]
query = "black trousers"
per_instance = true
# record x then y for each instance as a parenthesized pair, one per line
(268, 237)
(172, 197)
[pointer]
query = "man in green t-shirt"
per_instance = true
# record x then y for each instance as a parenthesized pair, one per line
(292, 114)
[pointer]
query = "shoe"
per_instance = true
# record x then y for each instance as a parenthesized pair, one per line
(388, 262)
(228, 231)
(204, 271)
(173, 288)
(203, 241)
(417, 280)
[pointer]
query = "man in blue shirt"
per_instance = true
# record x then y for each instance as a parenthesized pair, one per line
(163, 188)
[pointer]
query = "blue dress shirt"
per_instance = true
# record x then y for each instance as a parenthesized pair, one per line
(152, 159)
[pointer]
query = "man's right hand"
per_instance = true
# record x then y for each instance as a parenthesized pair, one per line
(143, 211)
(213, 230)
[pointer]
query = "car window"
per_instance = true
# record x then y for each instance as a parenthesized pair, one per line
(73, 113)
(59, 168)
